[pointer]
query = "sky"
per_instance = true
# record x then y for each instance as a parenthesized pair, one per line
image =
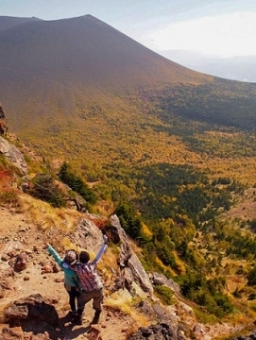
(214, 28)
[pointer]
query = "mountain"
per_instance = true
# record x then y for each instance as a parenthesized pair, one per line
(168, 150)
(78, 89)
(50, 64)
(9, 22)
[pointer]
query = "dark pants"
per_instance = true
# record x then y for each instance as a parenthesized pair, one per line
(96, 295)
(73, 298)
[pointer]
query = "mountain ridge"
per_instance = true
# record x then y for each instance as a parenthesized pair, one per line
(6, 22)
(85, 55)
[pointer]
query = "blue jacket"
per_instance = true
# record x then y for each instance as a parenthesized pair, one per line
(70, 277)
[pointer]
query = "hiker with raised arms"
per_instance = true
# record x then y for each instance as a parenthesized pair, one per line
(71, 280)
(90, 283)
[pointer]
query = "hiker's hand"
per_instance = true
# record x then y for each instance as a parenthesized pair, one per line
(105, 239)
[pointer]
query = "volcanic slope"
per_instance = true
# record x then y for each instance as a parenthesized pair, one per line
(78, 88)
(53, 66)
(8, 22)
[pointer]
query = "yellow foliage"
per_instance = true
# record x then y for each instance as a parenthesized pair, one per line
(165, 268)
(145, 230)
(122, 300)
(179, 263)
(47, 217)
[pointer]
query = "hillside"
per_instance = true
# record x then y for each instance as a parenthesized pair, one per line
(9, 22)
(28, 224)
(78, 90)
(119, 131)
(54, 67)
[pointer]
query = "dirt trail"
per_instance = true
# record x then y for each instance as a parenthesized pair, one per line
(18, 233)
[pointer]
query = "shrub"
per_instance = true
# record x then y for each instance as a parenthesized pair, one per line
(128, 220)
(164, 293)
(76, 183)
(45, 189)
(9, 197)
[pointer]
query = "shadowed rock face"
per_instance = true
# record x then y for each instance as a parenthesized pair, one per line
(252, 336)
(2, 115)
(162, 331)
(34, 307)
(3, 124)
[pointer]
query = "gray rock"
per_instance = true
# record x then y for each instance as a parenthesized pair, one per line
(32, 308)
(14, 155)
(160, 279)
(162, 331)
(129, 259)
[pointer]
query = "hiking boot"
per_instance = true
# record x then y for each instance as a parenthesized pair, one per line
(96, 317)
(77, 320)
(72, 313)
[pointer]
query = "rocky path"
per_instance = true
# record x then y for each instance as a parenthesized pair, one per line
(18, 234)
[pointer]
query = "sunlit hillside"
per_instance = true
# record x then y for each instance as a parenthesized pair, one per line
(79, 90)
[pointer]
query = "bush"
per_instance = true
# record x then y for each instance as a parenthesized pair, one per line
(164, 293)
(128, 220)
(9, 197)
(45, 189)
(76, 183)
(207, 293)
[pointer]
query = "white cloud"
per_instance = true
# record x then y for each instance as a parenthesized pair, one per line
(223, 35)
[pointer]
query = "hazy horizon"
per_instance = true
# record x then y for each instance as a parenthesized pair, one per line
(207, 31)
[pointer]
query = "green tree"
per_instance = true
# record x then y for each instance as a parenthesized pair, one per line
(45, 189)
(67, 176)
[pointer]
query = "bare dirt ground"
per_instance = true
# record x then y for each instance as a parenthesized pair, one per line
(17, 233)
(246, 209)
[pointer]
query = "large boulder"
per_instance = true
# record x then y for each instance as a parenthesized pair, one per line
(87, 235)
(32, 308)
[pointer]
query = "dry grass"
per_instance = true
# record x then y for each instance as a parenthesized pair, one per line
(47, 217)
(121, 300)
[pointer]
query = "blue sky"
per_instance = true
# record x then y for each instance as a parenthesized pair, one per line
(221, 28)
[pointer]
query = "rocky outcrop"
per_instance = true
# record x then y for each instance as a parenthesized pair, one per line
(2, 115)
(14, 155)
(87, 235)
(3, 123)
(160, 279)
(128, 259)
